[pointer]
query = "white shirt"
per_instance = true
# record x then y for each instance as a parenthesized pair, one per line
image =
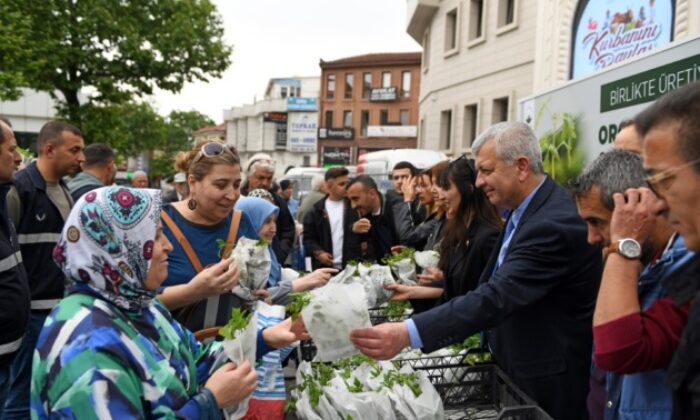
(336, 211)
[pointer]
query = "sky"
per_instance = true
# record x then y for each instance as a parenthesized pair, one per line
(284, 38)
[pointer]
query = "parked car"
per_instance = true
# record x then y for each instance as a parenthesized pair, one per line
(303, 175)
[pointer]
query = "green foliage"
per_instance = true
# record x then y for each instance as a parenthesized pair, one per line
(395, 309)
(394, 377)
(407, 252)
(298, 301)
(240, 318)
(115, 50)
(563, 159)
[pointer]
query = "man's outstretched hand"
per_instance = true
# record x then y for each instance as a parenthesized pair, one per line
(381, 342)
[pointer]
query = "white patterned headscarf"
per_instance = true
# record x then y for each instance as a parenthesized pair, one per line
(107, 244)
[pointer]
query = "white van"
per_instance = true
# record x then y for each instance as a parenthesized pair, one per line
(379, 164)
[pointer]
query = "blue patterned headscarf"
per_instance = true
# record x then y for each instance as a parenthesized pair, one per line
(107, 244)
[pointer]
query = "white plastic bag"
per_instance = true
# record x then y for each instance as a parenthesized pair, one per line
(254, 264)
(380, 276)
(358, 405)
(238, 350)
(335, 310)
(405, 270)
(427, 259)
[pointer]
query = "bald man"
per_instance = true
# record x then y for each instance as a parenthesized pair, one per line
(628, 138)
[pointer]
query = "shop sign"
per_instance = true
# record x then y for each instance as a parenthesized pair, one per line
(383, 94)
(276, 117)
(392, 131)
(303, 129)
(608, 32)
(302, 104)
(336, 156)
(336, 133)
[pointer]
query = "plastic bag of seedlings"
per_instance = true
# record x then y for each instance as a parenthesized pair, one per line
(240, 343)
(254, 264)
(331, 314)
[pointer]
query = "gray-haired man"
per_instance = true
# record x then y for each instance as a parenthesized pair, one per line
(661, 252)
(259, 174)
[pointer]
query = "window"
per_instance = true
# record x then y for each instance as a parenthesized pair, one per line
(406, 84)
(364, 122)
(349, 82)
(426, 50)
(347, 119)
(384, 117)
(329, 119)
(451, 29)
(330, 86)
(500, 110)
(283, 92)
(469, 127)
(386, 79)
(403, 116)
(307, 160)
(446, 130)
(476, 19)
(295, 91)
(366, 85)
(506, 12)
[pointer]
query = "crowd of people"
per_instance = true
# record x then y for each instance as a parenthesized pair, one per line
(584, 293)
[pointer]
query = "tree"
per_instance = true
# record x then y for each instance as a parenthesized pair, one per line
(112, 49)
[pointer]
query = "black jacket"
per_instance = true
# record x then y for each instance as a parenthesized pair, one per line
(411, 233)
(382, 235)
(317, 234)
(14, 289)
(39, 229)
(537, 308)
(464, 267)
(684, 370)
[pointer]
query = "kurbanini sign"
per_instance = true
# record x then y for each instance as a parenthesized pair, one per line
(649, 85)
(608, 32)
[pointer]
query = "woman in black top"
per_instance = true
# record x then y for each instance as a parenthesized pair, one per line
(470, 235)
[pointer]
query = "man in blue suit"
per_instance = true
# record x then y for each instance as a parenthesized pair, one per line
(536, 296)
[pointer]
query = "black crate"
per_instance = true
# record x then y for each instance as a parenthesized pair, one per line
(377, 316)
(481, 391)
(307, 350)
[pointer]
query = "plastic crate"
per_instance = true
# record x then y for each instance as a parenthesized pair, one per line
(481, 391)
(307, 350)
(377, 316)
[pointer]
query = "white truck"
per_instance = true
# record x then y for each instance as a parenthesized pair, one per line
(583, 116)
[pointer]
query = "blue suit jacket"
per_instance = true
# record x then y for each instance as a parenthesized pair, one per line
(537, 307)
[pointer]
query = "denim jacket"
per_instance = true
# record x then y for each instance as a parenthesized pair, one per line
(646, 395)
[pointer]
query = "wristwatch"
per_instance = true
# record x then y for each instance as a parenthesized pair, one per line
(628, 248)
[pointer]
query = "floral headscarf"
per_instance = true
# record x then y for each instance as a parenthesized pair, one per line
(107, 244)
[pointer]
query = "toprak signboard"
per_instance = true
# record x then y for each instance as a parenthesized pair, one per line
(608, 32)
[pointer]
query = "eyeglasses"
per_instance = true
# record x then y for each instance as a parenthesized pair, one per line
(214, 149)
(656, 182)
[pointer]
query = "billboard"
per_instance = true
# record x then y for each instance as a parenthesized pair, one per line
(596, 105)
(392, 131)
(608, 32)
(303, 130)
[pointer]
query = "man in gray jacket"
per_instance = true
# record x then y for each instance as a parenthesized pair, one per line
(99, 170)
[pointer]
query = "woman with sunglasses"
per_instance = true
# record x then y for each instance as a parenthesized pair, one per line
(198, 287)
(470, 235)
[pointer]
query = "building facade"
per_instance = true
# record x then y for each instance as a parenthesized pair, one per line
(367, 103)
(28, 114)
(283, 124)
(481, 57)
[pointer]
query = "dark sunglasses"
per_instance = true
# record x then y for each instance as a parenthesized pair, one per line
(214, 149)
